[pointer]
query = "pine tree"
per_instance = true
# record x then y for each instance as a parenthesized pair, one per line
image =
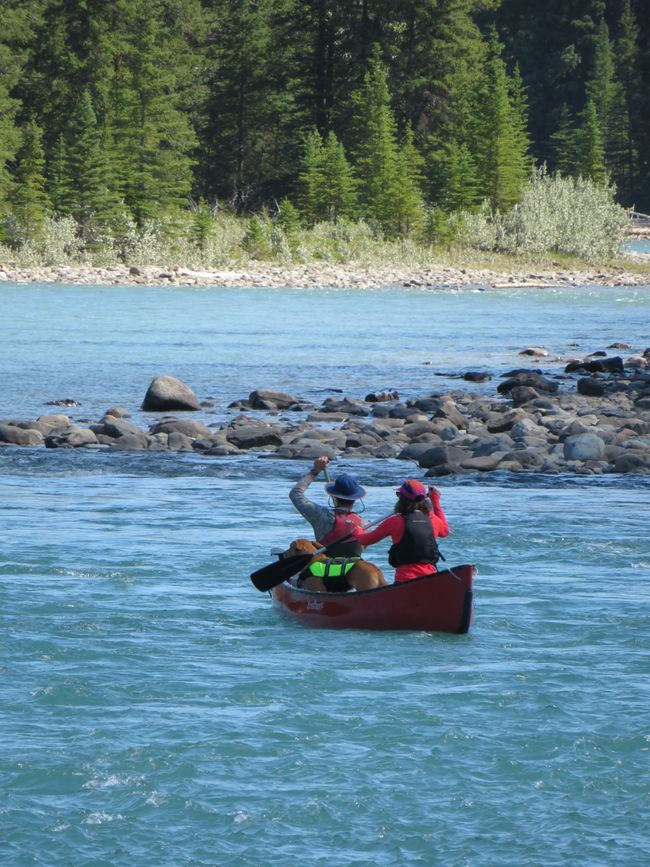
(29, 200)
(500, 143)
(564, 144)
(409, 204)
(14, 32)
(86, 191)
(375, 149)
(243, 110)
(310, 178)
(202, 224)
(58, 180)
(629, 111)
(601, 89)
(458, 181)
(338, 194)
(162, 166)
(590, 154)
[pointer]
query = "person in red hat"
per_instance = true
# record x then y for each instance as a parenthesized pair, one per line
(418, 521)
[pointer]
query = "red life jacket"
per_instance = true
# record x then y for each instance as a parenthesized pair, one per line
(344, 523)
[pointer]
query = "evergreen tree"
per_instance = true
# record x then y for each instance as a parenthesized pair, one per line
(563, 141)
(58, 180)
(375, 150)
(28, 198)
(602, 89)
(310, 178)
(458, 180)
(326, 184)
(243, 111)
(85, 192)
(500, 142)
(121, 137)
(338, 194)
(409, 204)
(14, 34)
(162, 172)
(202, 224)
(590, 154)
(630, 110)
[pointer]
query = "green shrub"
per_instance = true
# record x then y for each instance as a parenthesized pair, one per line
(563, 215)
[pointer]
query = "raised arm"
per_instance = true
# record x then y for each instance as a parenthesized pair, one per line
(438, 517)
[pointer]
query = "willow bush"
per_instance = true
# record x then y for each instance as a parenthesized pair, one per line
(568, 215)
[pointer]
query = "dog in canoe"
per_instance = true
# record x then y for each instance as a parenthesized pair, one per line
(334, 575)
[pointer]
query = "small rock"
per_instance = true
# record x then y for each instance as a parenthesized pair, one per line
(536, 351)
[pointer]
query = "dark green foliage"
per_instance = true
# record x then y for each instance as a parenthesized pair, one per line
(339, 192)
(457, 178)
(144, 105)
(29, 200)
(590, 153)
(16, 23)
(288, 218)
(389, 173)
(500, 141)
(86, 190)
(202, 224)
(326, 184)
(256, 240)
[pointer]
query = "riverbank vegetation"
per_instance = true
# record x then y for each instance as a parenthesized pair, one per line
(209, 132)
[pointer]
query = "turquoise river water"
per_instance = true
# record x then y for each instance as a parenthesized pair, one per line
(156, 710)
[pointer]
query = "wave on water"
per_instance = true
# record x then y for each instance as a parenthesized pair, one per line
(268, 468)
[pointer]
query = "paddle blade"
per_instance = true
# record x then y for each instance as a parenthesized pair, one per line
(275, 573)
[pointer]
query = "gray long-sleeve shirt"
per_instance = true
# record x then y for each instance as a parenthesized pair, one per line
(321, 518)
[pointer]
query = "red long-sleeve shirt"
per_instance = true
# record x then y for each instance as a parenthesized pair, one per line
(394, 527)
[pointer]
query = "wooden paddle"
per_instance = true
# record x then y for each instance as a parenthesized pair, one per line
(275, 573)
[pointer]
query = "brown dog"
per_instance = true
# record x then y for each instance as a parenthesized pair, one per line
(362, 576)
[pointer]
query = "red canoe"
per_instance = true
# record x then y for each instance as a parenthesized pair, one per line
(442, 602)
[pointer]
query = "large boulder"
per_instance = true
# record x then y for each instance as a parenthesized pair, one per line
(584, 447)
(254, 436)
(187, 426)
(264, 398)
(632, 462)
(590, 386)
(18, 436)
(348, 405)
(114, 427)
(438, 455)
(530, 379)
(72, 437)
(307, 450)
(167, 394)
(450, 412)
(502, 422)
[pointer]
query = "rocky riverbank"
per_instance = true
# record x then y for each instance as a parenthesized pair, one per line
(323, 275)
(590, 416)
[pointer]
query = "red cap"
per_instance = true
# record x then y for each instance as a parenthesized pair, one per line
(412, 490)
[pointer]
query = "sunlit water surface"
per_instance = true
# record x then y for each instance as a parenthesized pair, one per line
(155, 709)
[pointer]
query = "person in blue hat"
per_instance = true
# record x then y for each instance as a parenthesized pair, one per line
(331, 523)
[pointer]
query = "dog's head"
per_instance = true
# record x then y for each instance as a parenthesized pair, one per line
(300, 546)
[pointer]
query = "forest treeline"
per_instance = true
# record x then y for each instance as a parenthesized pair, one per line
(398, 113)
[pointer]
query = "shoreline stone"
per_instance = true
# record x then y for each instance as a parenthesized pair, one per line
(327, 275)
(558, 427)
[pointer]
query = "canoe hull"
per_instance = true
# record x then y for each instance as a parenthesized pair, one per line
(442, 602)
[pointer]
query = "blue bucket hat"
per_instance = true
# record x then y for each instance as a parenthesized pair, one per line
(345, 487)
